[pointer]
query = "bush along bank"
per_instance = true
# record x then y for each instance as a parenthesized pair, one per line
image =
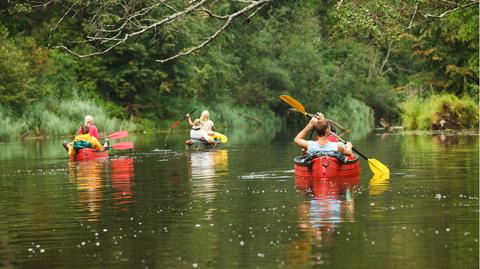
(63, 119)
(440, 111)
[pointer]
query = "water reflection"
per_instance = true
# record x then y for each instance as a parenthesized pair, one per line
(89, 178)
(430, 205)
(332, 203)
(329, 203)
(122, 179)
(379, 183)
(204, 168)
(441, 152)
(447, 139)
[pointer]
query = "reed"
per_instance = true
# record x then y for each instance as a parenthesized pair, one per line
(63, 118)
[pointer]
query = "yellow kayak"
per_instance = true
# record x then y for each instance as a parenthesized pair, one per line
(219, 138)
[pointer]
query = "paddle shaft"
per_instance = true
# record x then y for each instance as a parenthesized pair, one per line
(343, 141)
(174, 125)
(343, 129)
(376, 166)
(338, 137)
(117, 135)
(177, 122)
(190, 113)
(122, 146)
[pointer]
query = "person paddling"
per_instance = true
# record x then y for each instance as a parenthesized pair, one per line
(206, 124)
(85, 140)
(322, 142)
(92, 129)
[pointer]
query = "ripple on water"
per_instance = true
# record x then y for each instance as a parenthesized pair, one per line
(268, 175)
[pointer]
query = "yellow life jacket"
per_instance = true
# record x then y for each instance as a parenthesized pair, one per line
(88, 138)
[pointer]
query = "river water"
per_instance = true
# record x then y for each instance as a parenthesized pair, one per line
(238, 206)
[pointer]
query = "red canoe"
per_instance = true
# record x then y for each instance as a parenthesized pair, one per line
(308, 170)
(87, 154)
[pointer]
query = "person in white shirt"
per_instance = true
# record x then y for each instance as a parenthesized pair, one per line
(207, 124)
(198, 133)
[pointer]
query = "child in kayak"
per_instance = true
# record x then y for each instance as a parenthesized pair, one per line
(322, 142)
(207, 126)
(199, 134)
(84, 140)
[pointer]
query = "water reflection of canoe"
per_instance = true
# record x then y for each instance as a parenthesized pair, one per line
(324, 167)
(196, 144)
(87, 154)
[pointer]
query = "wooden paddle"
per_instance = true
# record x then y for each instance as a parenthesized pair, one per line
(122, 145)
(117, 135)
(376, 166)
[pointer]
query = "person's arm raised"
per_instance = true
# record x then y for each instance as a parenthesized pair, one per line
(300, 138)
(189, 117)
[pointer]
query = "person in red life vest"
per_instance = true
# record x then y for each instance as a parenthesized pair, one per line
(92, 129)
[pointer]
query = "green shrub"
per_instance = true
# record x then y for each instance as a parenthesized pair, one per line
(17, 74)
(415, 114)
(445, 111)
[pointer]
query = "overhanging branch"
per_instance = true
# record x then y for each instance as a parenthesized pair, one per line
(229, 20)
(136, 21)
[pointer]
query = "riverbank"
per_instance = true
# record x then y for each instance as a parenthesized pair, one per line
(440, 111)
(43, 121)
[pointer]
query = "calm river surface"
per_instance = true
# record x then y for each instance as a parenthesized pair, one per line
(238, 207)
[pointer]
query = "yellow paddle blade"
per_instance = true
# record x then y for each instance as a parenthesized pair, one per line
(378, 184)
(379, 168)
(293, 103)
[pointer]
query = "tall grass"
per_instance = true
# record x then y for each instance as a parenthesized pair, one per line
(63, 118)
(415, 114)
(11, 126)
(425, 114)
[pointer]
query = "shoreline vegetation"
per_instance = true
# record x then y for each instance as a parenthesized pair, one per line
(440, 111)
(333, 58)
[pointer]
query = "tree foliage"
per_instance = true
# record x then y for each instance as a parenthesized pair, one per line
(325, 53)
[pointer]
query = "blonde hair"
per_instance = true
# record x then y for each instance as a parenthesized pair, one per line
(88, 119)
(205, 115)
